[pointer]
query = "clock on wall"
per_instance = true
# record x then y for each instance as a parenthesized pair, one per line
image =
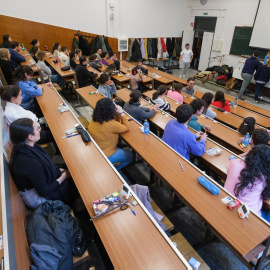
(203, 2)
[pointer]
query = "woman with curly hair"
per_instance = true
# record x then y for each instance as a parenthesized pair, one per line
(249, 180)
(220, 101)
(107, 123)
(247, 126)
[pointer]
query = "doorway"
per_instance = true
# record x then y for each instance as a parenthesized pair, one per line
(201, 25)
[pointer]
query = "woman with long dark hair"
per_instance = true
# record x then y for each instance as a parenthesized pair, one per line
(220, 101)
(159, 98)
(247, 126)
(56, 49)
(34, 173)
(249, 180)
(6, 41)
(208, 98)
(107, 123)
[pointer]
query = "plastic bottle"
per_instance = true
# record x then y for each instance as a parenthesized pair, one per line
(23, 48)
(236, 102)
(247, 139)
(146, 128)
(46, 48)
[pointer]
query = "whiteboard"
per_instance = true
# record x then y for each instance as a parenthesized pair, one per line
(260, 37)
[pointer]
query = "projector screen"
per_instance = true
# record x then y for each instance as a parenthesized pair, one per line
(260, 35)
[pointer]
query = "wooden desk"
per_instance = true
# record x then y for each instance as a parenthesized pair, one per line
(221, 134)
(244, 112)
(157, 78)
(31, 63)
(153, 60)
(242, 236)
(68, 75)
(131, 241)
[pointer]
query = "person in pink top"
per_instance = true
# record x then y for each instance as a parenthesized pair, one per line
(176, 93)
(249, 180)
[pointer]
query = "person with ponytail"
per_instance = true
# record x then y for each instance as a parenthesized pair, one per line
(34, 173)
(159, 98)
(107, 87)
(134, 108)
(208, 98)
(249, 179)
(34, 43)
(247, 126)
(220, 102)
(22, 76)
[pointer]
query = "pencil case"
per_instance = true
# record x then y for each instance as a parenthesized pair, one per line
(208, 185)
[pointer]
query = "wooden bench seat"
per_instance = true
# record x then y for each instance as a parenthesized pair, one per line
(187, 250)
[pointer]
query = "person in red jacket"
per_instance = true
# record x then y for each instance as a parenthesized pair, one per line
(220, 102)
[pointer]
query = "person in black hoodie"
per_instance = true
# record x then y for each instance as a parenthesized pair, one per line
(5, 64)
(262, 76)
(84, 76)
(6, 41)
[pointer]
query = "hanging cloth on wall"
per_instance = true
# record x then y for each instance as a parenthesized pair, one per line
(149, 47)
(154, 47)
(103, 46)
(145, 49)
(142, 48)
(177, 48)
(75, 43)
(130, 49)
(83, 45)
(136, 51)
(159, 48)
(169, 46)
(98, 43)
(93, 48)
(109, 49)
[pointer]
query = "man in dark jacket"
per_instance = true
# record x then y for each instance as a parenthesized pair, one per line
(140, 67)
(15, 57)
(251, 64)
(84, 76)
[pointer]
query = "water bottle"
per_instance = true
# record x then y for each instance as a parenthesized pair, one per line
(23, 48)
(247, 139)
(236, 102)
(146, 128)
(46, 48)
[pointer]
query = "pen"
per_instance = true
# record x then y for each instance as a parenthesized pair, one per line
(134, 213)
(74, 134)
(181, 165)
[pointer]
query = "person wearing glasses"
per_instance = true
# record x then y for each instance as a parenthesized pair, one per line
(22, 77)
(189, 89)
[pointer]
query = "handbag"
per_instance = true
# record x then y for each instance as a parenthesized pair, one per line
(65, 68)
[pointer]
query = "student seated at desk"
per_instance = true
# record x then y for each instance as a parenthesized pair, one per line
(47, 74)
(220, 101)
(143, 69)
(135, 80)
(107, 87)
(94, 62)
(247, 126)
(176, 93)
(118, 65)
(159, 98)
(22, 76)
(71, 60)
(56, 49)
(84, 76)
(208, 98)
(249, 179)
(134, 108)
(197, 106)
(111, 70)
(6, 41)
(34, 43)
(266, 57)
(34, 173)
(114, 57)
(189, 89)
(182, 140)
(34, 52)
(107, 123)
(15, 57)
(79, 53)
(259, 136)
(98, 54)
(12, 95)
(103, 61)
(5, 65)
(63, 55)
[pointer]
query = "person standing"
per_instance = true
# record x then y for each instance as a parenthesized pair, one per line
(251, 64)
(185, 59)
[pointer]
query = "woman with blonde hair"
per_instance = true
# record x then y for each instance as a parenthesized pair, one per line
(5, 64)
(261, 77)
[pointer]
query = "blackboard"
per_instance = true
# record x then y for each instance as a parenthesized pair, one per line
(240, 42)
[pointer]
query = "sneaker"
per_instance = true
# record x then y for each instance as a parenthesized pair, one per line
(256, 101)
(180, 76)
(184, 76)
(261, 98)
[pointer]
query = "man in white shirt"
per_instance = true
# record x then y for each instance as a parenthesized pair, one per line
(185, 59)
(64, 54)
